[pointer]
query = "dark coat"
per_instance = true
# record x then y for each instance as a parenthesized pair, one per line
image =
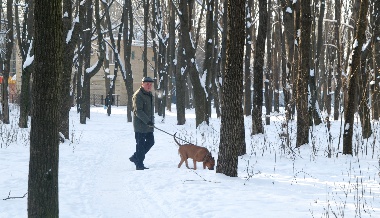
(143, 111)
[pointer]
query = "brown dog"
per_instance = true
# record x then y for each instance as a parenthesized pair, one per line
(197, 153)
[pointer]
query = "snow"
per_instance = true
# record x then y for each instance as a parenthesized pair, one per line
(365, 45)
(96, 178)
(91, 68)
(355, 44)
(289, 10)
(29, 59)
(312, 72)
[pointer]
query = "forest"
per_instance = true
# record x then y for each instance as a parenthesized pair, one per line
(309, 61)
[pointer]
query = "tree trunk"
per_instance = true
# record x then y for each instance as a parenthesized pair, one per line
(338, 74)
(268, 71)
(127, 36)
(247, 60)
(69, 45)
(25, 42)
(303, 75)
(313, 80)
(364, 110)
(216, 64)
(257, 123)
(296, 57)
(208, 67)
(278, 58)
(44, 143)
(90, 71)
(189, 66)
(146, 21)
(353, 78)
(288, 20)
(171, 55)
(319, 56)
(232, 135)
(7, 62)
(376, 62)
(180, 81)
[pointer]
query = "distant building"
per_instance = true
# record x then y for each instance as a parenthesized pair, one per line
(98, 87)
(98, 82)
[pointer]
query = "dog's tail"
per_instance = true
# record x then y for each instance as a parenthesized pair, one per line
(176, 140)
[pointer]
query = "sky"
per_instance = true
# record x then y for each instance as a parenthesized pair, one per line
(96, 178)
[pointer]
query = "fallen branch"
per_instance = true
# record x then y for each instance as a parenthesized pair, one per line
(9, 196)
(191, 180)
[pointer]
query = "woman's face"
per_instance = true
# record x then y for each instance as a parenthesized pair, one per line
(147, 86)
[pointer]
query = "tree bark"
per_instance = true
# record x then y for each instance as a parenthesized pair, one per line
(171, 55)
(90, 71)
(188, 55)
(303, 75)
(289, 37)
(127, 36)
(257, 123)
(146, 21)
(376, 62)
(180, 81)
(208, 67)
(338, 74)
(353, 78)
(232, 135)
(268, 71)
(247, 60)
(69, 45)
(44, 138)
(216, 74)
(364, 110)
(7, 63)
(25, 43)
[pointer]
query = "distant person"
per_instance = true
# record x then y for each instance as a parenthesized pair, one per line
(143, 122)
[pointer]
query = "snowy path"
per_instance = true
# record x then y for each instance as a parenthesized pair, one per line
(96, 178)
(107, 175)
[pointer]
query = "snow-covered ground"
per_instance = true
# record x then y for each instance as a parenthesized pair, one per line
(96, 178)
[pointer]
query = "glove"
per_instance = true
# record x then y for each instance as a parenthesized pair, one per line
(150, 124)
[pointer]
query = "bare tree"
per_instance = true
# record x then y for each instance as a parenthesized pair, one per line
(354, 70)
(247, 58)
(44, 139)
(25, 43)
(208, 66)
(7, 62)
(338, 74)
(257, 123)
(188, 63)
(375, 80)
(161, 68)
(216, 74)
(232, 135)
(314, 77)
(146, 22)
(288, 20)
(364, 110)
(70, 39)
(171, 53)
(90, 71)
(268, 91)
(303, 75)
(127, 36)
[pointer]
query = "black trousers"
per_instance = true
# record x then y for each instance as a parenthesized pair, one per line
(144, 142)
